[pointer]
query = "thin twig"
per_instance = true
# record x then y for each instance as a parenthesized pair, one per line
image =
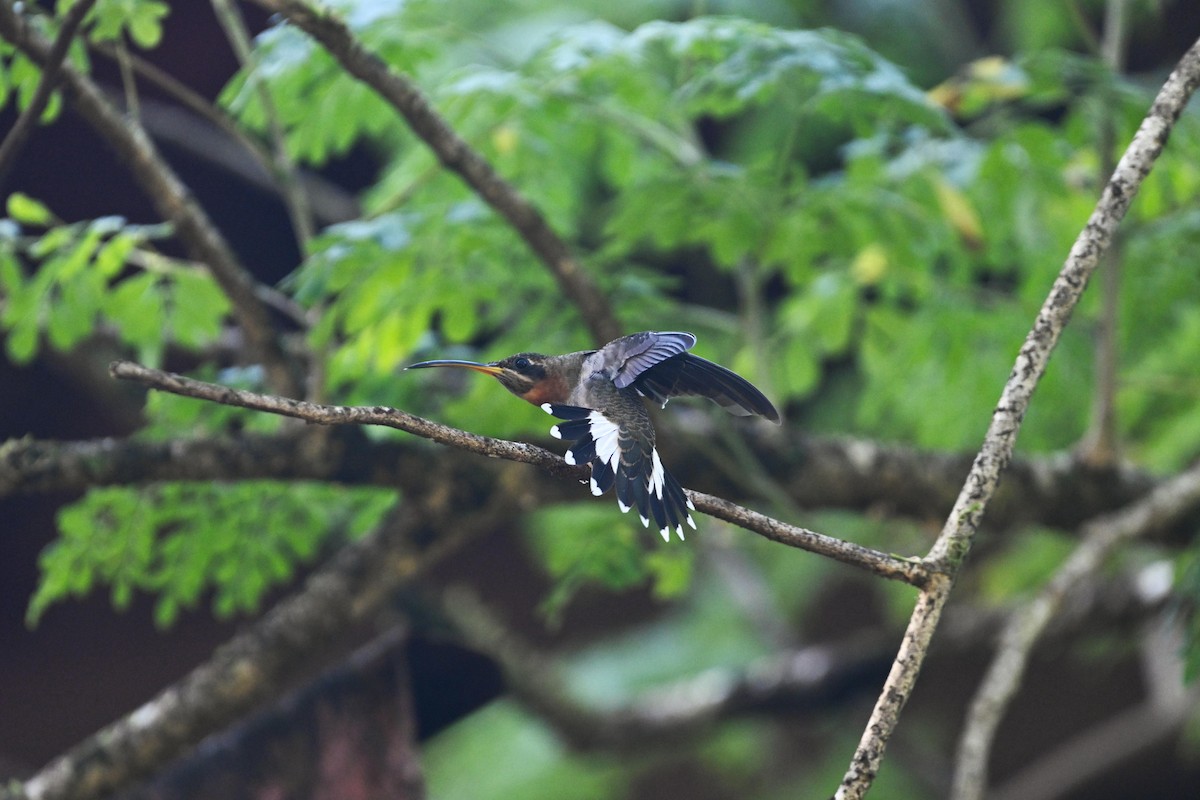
(172, 199)
(282, 166)
(459, 157)
(882, 564)
(133, 103)
(954, 542)
(21, 129)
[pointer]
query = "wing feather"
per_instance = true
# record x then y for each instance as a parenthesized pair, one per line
(638, 352)
(686, 374)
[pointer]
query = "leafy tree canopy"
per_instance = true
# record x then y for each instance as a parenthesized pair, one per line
(868, 248)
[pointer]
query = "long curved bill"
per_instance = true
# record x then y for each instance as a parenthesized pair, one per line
(489, 369)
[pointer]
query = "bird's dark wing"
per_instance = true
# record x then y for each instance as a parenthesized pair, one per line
(687, 374)
(632, 355)
(624, 457)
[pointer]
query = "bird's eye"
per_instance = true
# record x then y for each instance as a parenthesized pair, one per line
(521, 363)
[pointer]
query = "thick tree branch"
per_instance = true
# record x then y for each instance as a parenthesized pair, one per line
(458, 156)
(818, 472)
(19, 134)
(955, 541)
(1166, 504)
(882, 564)
(171, 198)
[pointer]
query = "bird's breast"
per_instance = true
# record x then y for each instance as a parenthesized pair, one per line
(548, 390)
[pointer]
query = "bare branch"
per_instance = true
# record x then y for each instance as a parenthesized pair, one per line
(343, 415)
(883, 564)
(1161, 508)
(954, 542)
(171, 198)
(458, 156)
(19, 134)
(910, 571)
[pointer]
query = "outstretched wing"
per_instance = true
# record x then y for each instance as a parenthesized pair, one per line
(624, 458)
(632, 355)
(687, 374)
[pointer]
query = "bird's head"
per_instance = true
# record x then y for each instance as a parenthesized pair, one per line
(530, 376)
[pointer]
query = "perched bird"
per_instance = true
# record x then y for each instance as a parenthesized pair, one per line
(598, 394)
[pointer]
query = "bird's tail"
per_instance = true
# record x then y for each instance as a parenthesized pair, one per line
(620, 459)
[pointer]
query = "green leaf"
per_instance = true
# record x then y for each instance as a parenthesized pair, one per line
(145, 28)
(27, 211)
(136, 306)
(142, 19)
(198, 308)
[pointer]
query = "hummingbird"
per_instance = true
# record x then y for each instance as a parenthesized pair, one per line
(600, 397)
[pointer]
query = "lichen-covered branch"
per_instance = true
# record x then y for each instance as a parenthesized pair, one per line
(458, 156)
(956, 537)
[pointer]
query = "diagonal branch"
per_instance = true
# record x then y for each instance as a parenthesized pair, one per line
(458, 156)
(883, 564)
(956, 537)
(171, 198)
